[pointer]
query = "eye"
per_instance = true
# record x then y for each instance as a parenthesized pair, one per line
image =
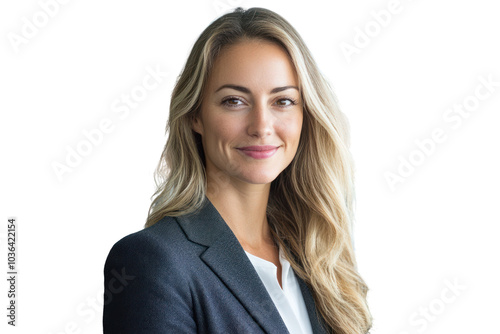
(232, 102)
(286, 102)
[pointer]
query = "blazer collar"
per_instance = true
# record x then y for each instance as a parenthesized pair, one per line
(228, 260)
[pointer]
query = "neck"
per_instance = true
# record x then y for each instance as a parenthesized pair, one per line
(243, 207)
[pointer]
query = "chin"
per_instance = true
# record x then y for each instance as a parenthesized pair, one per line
(260, 178)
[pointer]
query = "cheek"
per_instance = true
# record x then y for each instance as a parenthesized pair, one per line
(221, 129)
(291, 129)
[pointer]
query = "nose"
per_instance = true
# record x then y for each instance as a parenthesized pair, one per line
(260, 122)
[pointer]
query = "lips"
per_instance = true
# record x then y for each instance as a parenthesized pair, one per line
(259, 151)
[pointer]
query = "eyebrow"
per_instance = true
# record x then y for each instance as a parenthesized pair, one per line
(246, 90)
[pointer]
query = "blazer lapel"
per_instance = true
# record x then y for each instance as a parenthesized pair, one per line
(228, 260)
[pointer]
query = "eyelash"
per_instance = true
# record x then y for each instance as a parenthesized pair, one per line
(224, 102)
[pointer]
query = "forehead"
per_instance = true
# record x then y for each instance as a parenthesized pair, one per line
(255, 64)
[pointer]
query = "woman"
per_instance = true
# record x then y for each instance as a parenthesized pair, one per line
(250, 227)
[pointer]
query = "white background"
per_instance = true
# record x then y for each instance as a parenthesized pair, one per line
(437, 227)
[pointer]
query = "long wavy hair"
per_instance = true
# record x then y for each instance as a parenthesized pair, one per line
(310, 207)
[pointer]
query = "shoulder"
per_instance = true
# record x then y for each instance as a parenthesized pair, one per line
(148, 250)
(147, 273)
(162, 234)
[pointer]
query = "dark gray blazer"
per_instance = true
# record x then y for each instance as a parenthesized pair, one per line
(189, 274)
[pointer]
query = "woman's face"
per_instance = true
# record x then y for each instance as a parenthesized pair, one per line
(251, 113)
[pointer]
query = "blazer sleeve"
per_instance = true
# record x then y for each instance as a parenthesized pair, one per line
(144, 290)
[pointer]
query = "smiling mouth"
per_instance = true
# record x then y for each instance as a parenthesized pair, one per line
(260, 151)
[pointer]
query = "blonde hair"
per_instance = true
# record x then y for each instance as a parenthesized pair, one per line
(310, 208)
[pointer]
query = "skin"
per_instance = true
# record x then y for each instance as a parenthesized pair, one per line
(238, 185)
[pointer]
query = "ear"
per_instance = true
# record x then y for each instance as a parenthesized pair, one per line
(197, 124)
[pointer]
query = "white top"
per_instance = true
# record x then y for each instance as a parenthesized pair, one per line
(289, 300)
